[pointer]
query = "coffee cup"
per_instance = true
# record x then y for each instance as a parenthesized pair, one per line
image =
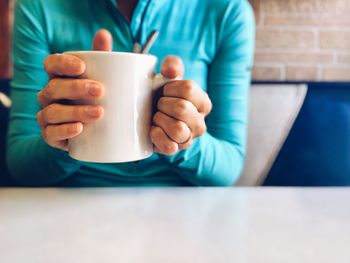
(122, 135)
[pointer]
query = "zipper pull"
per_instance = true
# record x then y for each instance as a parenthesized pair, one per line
(150, 41)
(137, 48)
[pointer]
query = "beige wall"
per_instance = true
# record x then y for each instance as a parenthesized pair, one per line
(302, 40)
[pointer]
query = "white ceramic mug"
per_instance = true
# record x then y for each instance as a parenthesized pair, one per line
(122, 135)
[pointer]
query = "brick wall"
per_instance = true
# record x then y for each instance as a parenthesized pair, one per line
(301, 40)
(5, 21)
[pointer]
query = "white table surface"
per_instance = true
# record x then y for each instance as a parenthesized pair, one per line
(175, 225)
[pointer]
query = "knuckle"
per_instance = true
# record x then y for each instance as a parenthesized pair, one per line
(157, 117)
(74, 64)
(188, 88)
(77, 112)
(181, 107)
(155, 134)
(47, 62)
(169, 148)
(179, 127)
(49, 113)
(51, 62)
(161, 103)
(56, 133)
(49, 132)
(79, 86)
(49, 90)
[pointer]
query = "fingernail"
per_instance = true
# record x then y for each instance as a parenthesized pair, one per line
(94, 90)
(93, 111)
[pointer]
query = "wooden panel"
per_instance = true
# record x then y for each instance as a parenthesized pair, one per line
(5, 23)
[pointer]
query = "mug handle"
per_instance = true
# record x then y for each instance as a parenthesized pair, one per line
(159, 81)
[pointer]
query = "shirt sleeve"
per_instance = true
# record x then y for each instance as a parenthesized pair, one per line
(217, 157)
(30, 160)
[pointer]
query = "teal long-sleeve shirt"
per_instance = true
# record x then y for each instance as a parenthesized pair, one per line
(214, 38)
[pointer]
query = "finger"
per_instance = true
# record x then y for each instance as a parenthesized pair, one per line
(58, 114)
(53, 133)
(162, 142)
(176, 130)
(184, 111)
(173, 67)
(70, 89)
(64, 65)
(189, 90)
(103, 41)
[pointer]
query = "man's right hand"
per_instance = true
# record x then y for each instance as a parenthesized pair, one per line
(60, 122)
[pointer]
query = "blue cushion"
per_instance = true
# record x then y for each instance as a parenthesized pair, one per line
(317, 150)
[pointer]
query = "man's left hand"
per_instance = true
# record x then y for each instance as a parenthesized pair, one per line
(181, 111)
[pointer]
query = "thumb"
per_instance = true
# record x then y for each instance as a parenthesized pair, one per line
(173, 67)
(103, 41)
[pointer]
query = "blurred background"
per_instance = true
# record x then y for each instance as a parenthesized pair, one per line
(6, 10)
(299, 131)
(302, 40)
